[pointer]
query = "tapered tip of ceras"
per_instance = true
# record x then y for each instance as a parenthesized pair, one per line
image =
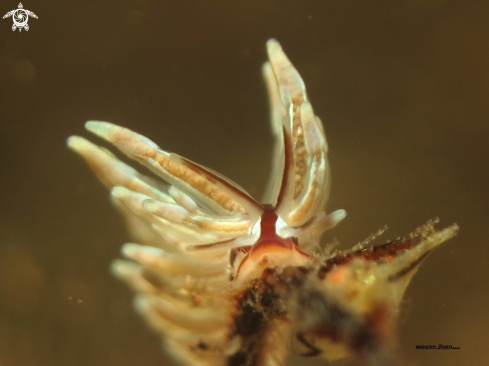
(273, 45)
(291, 86)
(129, 142)
(81, 146)
(335, 217)
(102, 129)
(105, 165)
(72, 141)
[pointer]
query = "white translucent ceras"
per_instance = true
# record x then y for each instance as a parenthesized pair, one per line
(226, 280)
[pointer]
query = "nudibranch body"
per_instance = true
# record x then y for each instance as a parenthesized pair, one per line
(226, 280)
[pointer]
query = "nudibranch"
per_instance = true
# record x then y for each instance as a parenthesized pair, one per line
(226, 280)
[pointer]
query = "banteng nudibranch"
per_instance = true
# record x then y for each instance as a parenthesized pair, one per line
(226, 280)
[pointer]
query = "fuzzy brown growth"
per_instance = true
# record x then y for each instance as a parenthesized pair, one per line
(258, 307)
(386, 251)
(315, 314)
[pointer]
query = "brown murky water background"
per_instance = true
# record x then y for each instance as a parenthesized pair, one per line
(403, 89)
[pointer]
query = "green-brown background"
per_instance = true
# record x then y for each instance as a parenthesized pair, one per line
(403, 90)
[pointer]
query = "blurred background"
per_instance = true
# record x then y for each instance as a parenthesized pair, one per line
(402, 88)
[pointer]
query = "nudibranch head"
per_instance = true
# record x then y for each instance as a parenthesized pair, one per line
(227, 280)
(270, 250)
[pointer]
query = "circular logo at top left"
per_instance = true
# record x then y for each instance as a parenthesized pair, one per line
(20, 17)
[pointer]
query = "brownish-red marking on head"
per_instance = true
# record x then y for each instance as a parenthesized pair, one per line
(269, 241)
(268, 234)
